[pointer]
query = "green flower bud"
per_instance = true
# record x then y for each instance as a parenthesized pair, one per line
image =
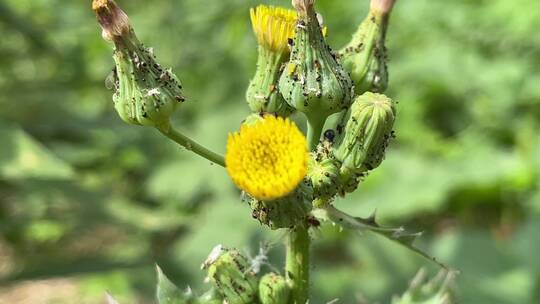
(285, 212)
(313, 82)
(263, 93)
(273, 289)
(272, 26)
(145, 93)
(229, 271)
(368, 129)
(323, 173)
(364, 57)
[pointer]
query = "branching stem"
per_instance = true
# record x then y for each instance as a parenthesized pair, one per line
(192, 145)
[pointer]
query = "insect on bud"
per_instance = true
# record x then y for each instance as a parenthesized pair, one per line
(313, 82)
(273, 289)
(229, 271)
(367, 132)
(145, 93)
(285, 212)
(365, 57)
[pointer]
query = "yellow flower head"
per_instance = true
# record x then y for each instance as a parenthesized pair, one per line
(273, 26)
(267, 159)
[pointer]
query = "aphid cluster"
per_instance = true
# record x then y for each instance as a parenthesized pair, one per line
(313, 82)
(145, 93)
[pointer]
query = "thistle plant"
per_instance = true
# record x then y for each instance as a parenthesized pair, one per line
(289, 180)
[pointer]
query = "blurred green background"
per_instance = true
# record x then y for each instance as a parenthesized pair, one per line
(88, 204)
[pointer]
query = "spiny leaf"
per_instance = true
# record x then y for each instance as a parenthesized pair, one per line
(168, 293)
(424, 291)
(399, 235)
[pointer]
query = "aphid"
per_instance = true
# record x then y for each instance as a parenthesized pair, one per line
(110, 81)
(165, 76)
(213, 256)
(290, 42)
(313, 222)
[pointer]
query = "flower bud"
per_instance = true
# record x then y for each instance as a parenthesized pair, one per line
(368, 129)
(229, 271)
(285, 212)
(323, 173)
(273, 289)
(273, 26)
(313, 82)
(364, 57)
(145, 93)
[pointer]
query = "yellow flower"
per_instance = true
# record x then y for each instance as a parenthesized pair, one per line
(273, 26)
(267, 159)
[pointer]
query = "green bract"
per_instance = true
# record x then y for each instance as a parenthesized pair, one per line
(313, 82)
(284, 212)
(273, 289)
(323, 173)
(263, 93)
(229, 271)
(368, 129)
(146, 94)
(364, 57)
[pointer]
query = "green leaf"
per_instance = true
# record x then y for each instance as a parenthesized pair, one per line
(168, 293)
(398, 235)
(22, 157)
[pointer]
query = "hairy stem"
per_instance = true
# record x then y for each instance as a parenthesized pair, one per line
(297, 264)
(192, 146)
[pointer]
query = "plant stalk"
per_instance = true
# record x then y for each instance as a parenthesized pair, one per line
(192, 145)
(297, 264)
(314, 131)
(297, 260)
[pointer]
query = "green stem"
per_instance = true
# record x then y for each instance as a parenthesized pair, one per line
(192, 146)
(297, 260)
(297, 264)
(314, 131)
